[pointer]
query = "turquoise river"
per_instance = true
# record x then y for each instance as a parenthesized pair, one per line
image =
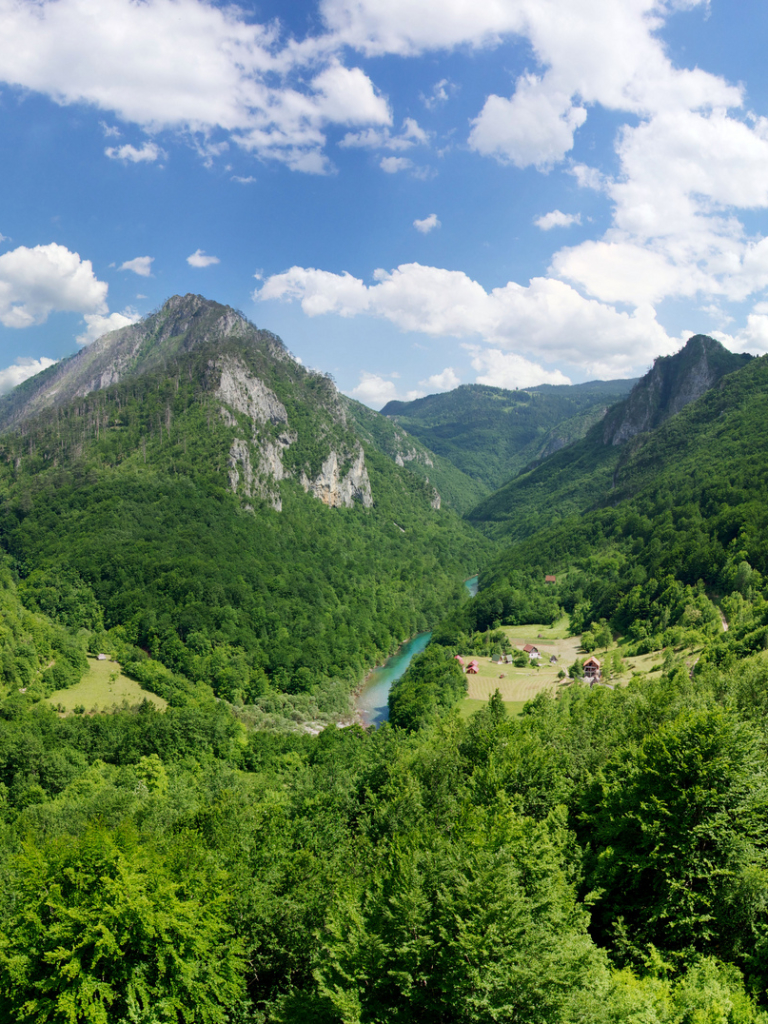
(372, 701)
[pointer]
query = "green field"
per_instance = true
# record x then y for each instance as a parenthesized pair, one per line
(102, 688)
(468, 707)
(532, 634)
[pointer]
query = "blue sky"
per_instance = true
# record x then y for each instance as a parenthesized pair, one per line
(412, 193)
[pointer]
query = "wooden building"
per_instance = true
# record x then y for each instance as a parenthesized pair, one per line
(592, 670)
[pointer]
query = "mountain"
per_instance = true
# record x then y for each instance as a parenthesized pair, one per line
(584, 473)
(183, 324)
(672, 383)
(224, 507)
(679, 522)
(491, 434)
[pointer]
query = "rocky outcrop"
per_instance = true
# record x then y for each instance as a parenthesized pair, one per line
(335, 490)
(249, 395)
(182, 324)
(269, 470)
(672, 383)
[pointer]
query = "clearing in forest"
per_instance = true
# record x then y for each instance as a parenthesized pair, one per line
(521, 684)
(103, 688)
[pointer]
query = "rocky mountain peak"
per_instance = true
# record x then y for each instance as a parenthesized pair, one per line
(672, 383)
(182, 324)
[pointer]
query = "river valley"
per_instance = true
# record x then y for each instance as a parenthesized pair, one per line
(372, 701)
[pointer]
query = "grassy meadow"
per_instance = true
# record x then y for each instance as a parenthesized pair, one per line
(103, 688)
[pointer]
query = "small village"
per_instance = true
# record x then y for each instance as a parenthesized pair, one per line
(540, 660)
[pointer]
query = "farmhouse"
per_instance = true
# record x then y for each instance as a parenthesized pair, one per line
(472, 668)
(532, 652)
(550, 579)
(592, 670)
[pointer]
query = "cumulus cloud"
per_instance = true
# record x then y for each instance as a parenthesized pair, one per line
(547, 318)
(35, 282)
(535, 126)
(199, 259)
(509, 370)
(148, 153)
(22, 370)
(191, 67)
(557, 219)
(447, 380)
(440, 93)
(382, 138)
(97, 324)
(393, 164)
(141, 265)
(428, 224)
(374, 390)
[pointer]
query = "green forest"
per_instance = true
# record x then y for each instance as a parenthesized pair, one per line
(241, 849)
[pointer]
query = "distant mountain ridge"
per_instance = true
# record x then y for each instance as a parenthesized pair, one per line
(491, 434)
(580, 475)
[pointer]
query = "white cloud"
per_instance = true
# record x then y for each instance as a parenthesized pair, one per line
(440, 93)
(35, 282)
(199, 259)
(556, 219)
(393, 164)
(500, 369)
(428, 224)
(188, 66)
(535, 126)
(589, 177)
(410, 135)
(447, 380)
(97, 324)
(249, 180)
(148, 153)
(22, 370)
(408, 27)
(141, 265)
(548, 318)
(374, 390)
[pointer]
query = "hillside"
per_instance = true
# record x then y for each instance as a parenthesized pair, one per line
(221, 505)
(583, 475)
(491, 434)
(684, 514)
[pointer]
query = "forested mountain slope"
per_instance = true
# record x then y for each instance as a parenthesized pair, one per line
(492, 433)
(600, 858)
(224, 510)
(584, 474)
(684, 514)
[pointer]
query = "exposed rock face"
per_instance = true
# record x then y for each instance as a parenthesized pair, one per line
(246, 393)
(234, 356)
(184, 323)
(334, 490)
(269, 468)
(672, 383)
(405, 452)
(241, 390)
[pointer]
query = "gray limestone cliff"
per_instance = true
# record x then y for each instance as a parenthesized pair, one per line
(672, 383)
(281, 422)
